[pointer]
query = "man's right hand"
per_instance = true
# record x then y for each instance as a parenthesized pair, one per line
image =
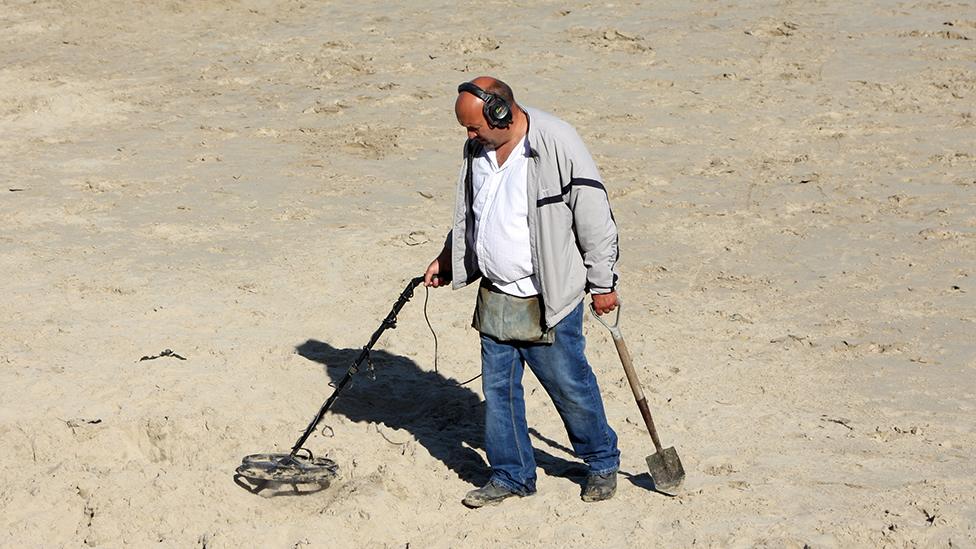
(438, 273)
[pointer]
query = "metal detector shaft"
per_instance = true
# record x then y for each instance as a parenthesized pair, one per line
(388, 322)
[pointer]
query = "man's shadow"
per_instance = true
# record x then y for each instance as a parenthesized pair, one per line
(445, 417)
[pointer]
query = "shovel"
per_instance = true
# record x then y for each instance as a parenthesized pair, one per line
(665, 467)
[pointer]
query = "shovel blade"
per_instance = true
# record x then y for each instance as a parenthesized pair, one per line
(666, 469)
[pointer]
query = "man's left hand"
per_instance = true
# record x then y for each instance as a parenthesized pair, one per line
(604, 303)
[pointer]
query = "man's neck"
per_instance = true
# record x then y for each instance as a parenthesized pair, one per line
(520, 124)
(518, 128)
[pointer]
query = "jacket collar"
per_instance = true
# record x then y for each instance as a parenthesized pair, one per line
(531, 132)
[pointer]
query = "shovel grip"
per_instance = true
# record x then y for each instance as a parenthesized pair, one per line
(635, 386)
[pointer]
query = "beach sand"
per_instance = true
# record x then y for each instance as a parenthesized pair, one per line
(251, 185)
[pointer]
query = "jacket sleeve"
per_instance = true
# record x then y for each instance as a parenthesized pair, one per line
(593, 223)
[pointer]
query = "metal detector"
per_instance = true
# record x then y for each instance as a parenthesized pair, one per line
(300, 466)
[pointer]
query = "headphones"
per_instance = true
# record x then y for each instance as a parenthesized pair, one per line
(497, 112)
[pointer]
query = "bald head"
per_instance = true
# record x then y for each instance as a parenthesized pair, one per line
(494, 86)
(469, 110)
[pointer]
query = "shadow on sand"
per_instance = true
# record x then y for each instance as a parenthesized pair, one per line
(444, 417)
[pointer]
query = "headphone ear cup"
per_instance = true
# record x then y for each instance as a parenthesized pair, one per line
(497, 112)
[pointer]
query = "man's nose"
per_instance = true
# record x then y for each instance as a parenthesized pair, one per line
(472, 134)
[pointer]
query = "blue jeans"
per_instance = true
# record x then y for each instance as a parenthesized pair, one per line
(565, 374)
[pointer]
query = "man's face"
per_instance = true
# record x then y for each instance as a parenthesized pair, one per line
(468, 110)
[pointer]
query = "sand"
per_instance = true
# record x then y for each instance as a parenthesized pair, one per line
(251, 185)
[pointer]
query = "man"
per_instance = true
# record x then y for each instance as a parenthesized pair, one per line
(532, 221)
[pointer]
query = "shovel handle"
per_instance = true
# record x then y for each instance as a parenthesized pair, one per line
(614, 330)
(635, 384)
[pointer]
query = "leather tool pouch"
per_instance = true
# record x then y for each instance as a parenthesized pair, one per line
(509, 318)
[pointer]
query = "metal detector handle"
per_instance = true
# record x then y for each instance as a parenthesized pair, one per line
(635, 384)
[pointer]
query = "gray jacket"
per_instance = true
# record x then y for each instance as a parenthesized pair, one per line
(572, 233)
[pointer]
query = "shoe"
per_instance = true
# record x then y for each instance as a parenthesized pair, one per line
(600, 487)
(489, 494)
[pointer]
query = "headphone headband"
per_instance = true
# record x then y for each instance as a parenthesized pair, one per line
(475, 90)
(496, 110)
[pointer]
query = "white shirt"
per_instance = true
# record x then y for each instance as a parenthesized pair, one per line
(501, 211)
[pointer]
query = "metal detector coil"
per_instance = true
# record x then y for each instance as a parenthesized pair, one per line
(286, 468)
(300, 466)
